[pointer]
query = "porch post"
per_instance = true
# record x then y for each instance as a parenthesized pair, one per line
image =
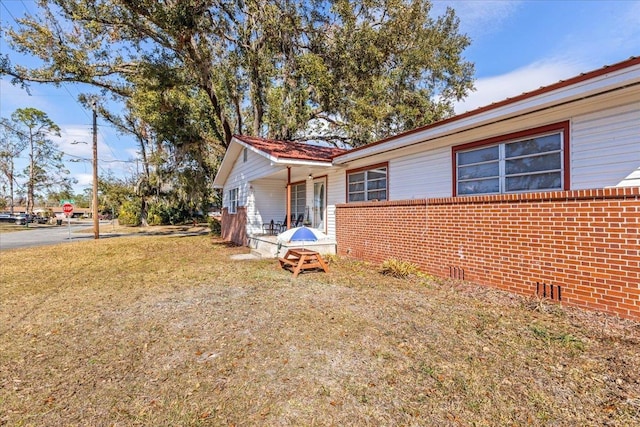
(288, 197)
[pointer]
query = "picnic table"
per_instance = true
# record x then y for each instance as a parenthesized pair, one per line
(300, 259)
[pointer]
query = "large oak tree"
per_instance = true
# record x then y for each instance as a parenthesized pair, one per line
(346, 72)
(191, 73)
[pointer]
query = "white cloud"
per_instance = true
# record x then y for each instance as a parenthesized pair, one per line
(478, 18)
(133, 153)
(599, 34)
(609, 33)
(13, 97)
(576, 53)
(514, 83)
(84, 179)
(76, 140)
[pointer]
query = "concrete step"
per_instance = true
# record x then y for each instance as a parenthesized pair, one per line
(261, 254)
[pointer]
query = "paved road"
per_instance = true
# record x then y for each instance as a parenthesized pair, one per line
(42, 236)
(53, 235)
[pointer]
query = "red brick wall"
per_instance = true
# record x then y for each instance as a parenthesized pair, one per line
(234, 226)
(587, 242)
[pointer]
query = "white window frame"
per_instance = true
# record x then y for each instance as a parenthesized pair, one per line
(233, 200)
(298, 201)
(560, 129)
(366, 191)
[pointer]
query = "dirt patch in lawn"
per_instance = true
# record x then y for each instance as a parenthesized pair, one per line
(165, 330)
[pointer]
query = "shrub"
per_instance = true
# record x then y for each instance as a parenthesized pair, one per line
(161, 213)
(154, 219)
(129, 214)
(400, 269)
(156, 214)
(215, 226)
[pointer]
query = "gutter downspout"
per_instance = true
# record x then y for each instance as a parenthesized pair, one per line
(288, 197)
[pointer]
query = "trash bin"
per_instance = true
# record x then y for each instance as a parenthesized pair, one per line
(58, 221)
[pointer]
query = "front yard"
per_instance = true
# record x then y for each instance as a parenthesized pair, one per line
(164, 330)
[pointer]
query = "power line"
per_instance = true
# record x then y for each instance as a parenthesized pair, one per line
(24, 135)
(84, 159)
(25, 6)
(9, 12)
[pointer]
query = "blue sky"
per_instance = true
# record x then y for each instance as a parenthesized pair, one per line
(517, 46)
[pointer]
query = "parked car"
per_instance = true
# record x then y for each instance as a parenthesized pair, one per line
(21, 219)
(39, 219)
(7, 218)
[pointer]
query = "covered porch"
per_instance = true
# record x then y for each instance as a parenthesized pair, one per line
(293, 197)
(270, 186)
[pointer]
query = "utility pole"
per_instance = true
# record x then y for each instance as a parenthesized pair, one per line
(94, 205)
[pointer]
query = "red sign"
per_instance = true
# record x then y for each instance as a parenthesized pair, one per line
(67, 208)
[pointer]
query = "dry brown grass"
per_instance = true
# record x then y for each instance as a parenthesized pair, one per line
(171, 331)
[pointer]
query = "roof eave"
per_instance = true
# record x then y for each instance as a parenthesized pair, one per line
(225, 166)
(229, 160)
(300, 162)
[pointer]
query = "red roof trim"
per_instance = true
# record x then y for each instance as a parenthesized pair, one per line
(562, 83)
(290, 149)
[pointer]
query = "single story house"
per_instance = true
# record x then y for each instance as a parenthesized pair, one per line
(537, 194)
(268, 182)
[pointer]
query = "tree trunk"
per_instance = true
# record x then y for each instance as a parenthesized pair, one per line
(32, 178)
(256, 97)
(236, 102)
(144, 212)
(203, 64)
(11, 186)
(144, 206)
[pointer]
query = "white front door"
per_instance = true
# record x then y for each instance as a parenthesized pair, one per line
(319, 204)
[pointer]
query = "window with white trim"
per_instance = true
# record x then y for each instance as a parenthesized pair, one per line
(534, 163)
(298, 199)
(367, 184)
(233, 200)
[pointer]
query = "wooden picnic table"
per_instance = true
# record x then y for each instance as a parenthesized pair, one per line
(299, 259)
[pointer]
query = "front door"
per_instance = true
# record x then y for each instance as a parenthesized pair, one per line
(319, 204)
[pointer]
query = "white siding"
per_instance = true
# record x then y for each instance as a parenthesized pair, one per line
(336, 180)
(243, 173)
(422, 175)
(605, 152)
(270, 205)
(413, 176)
(605, 148)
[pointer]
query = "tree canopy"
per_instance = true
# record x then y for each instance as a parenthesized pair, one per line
(192, 73)
(32, 129)
(198, 71)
